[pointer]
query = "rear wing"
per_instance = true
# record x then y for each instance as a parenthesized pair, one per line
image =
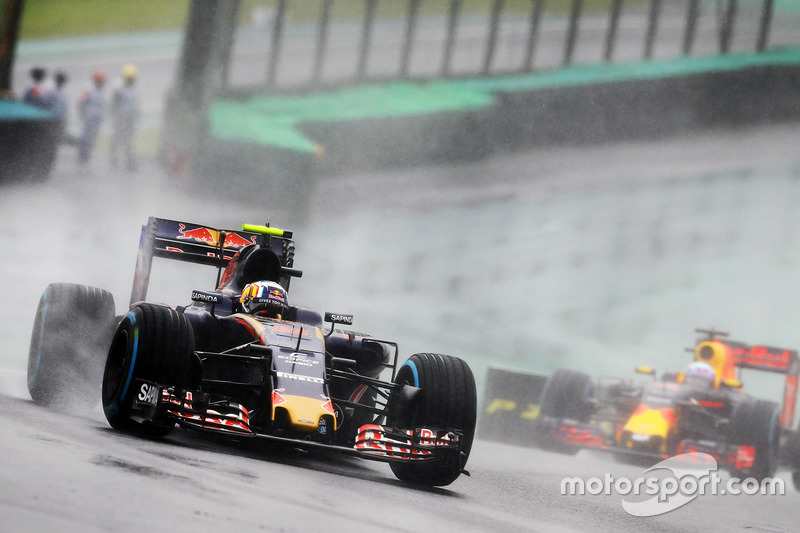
(195, 243)
(769, 359)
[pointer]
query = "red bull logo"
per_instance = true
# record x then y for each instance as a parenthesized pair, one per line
(277, 296)
(211, 237)
(234, 240)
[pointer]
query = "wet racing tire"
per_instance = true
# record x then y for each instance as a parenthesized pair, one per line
(71, 333)
(447, 400)
(756, 423)
(152, 343)
(566, 395)
(793, 454)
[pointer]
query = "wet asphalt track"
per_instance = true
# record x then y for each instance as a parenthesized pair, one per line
(402, 251)
(70, 472)
(92, 479)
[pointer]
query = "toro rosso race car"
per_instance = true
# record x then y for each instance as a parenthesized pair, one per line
(703, 409)
(240, 361)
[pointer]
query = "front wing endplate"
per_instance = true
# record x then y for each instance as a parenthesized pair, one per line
(419, 444)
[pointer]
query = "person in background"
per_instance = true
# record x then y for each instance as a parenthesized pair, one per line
(56, 97)
(91, 107)
(125, 113)
(34, 93)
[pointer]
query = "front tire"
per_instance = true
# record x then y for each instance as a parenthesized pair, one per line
(756, 423)
(793, 452)
(152, 343)
(447, 400)
(71, 333)
(566, 395)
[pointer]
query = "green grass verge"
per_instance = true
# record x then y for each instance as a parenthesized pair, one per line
(63, 18)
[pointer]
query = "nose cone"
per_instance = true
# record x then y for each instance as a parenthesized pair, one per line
(304, 413)
(648, 428)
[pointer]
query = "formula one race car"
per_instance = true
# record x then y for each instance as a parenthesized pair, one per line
(241, 361)
(703, 409)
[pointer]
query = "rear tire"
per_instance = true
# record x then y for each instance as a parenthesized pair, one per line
(447, 400)
(566, 395)
(793, 452)
(152, 343)
(71, 333)
(756, 423)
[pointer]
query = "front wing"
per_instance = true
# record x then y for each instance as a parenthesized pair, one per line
(591, 436)
(218, 414)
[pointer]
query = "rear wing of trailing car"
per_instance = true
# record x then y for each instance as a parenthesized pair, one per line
(200, 244)
(764, 358)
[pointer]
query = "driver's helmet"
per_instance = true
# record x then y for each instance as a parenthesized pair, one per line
(700, 374)
(264, 298)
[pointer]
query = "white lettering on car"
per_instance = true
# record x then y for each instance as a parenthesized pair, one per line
(198, 296)
(299, 377)
(148, 394)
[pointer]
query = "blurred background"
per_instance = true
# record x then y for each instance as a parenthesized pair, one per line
(530, 184)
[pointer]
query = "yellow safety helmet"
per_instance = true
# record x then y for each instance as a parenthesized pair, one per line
(129, 72)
